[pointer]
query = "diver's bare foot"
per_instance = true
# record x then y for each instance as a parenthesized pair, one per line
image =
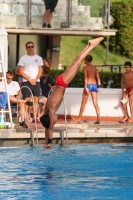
(95, 41)
(47, 146)
(124, 120)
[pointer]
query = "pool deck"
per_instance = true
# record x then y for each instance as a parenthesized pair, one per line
(108, 131)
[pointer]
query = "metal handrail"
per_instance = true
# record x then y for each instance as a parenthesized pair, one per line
(112, 67)
(29, 13)
(65, 122)
(64, 113)
(109, 65)
(33, 111)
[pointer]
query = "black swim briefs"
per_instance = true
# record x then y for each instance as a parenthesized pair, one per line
(50, 4)
(45, 120)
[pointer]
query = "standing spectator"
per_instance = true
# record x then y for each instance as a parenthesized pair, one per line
(127, 78)
(46, 84)
(91, 75)
(50, 6)
(31, 70)
(91, 78)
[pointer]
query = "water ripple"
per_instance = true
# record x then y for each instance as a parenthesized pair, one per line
(76, 172)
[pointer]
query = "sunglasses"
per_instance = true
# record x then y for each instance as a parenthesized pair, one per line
(30, 47)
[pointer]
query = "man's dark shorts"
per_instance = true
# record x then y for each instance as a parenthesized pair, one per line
(50, 4)
(34, 88)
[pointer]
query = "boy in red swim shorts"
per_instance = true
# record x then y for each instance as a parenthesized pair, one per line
(127, 78)
(54, 100)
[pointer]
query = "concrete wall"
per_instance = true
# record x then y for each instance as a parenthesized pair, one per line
(12, 51)
(55, 55)
(108, 100)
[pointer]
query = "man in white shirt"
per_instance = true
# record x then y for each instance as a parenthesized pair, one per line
(14, 96)
(30, 68)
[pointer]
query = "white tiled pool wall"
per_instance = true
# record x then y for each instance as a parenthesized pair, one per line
(108, 101)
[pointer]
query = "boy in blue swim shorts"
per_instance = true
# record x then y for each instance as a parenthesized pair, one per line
(92, 85)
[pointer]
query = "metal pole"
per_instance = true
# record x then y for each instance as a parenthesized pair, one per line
(80, 2)
(29, 13)
(108, 26)
(69, 12)
(65, 113)
(65, 121)
(33, 111)
(107, 49)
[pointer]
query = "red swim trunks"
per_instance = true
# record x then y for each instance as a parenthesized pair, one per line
(129, 89)
(59, 81)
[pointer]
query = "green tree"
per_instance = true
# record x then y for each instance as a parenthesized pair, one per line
(122, 43)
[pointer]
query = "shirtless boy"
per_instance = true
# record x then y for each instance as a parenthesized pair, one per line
(127, 78)
(54, 100)
(91, 78)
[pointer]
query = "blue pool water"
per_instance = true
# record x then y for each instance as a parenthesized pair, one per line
(77, 172)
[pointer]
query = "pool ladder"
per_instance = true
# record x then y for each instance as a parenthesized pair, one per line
(62, 131)
(31, 131)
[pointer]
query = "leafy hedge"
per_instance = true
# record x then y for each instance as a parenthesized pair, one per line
(122, 43)
(78, 81)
